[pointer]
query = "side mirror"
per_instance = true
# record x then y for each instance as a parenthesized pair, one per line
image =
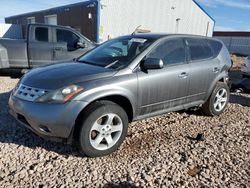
(153, 63)
(81, 45)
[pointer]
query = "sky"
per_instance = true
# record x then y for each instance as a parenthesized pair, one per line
(230, 15)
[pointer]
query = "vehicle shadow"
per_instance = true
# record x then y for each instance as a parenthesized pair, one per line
(193, 111)
(13, 132)
(234, 99)
(13, 73)
(239, 99)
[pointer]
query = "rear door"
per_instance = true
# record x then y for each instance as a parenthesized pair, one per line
(66, 45)
(40, 46)
(165, 88)
(203, 68)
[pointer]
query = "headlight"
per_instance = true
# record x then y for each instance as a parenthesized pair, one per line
(61, 95)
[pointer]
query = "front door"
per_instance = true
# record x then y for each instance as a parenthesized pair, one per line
(40, 46)
(163, 89)
(65, 46)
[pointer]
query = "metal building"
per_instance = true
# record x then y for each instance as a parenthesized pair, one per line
(119, 17)
(100, 20)
(236, 42)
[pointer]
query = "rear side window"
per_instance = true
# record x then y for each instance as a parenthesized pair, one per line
(42, 34)
(199, 49)
(216, 46)
(171, 52)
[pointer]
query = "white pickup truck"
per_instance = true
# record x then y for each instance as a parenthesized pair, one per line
(44, 44)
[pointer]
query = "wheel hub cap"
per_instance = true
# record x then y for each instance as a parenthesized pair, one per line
(106, 131)
(220, 100)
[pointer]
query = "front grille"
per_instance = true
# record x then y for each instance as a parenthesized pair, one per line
(28, 93)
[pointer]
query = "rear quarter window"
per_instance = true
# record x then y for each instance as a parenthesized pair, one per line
(199, 49)
(216, 46)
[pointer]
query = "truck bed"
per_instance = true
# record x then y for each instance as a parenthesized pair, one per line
(13, 53)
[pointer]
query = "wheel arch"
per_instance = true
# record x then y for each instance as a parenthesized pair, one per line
(223, 77)
(120, 100)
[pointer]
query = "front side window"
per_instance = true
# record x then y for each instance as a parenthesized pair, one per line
(68, 37)
(171, 52)
(42, 34)
(117, 53)
(199, 49)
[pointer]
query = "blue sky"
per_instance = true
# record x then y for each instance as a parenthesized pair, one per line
(229, 14)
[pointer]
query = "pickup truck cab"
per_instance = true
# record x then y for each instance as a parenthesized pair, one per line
(44, 44)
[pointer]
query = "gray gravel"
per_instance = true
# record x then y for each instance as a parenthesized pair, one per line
(158, 152)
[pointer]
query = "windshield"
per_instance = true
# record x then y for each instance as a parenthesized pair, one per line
(116, 53)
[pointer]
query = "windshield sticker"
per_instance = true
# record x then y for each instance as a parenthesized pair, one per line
(139, 40)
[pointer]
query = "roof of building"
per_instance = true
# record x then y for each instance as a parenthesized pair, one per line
(231, 34)
(203, 10)
(57, 9)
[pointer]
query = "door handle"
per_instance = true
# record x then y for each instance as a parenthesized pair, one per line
(216, 69)
(58, 48)
(183, 75)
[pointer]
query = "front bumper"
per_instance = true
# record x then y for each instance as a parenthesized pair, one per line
(47, 120)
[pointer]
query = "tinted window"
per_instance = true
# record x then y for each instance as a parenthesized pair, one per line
(171, 52)
(199, 49)
(216, 46)
(42, 34)
(68, 37)
(120, 48)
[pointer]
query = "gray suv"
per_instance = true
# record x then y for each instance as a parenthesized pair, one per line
(91, 100)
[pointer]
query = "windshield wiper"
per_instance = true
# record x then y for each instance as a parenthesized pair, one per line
(87, 62)
(111, 64)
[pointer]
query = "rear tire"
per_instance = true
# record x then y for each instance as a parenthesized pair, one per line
(218, 100)
(103, 129)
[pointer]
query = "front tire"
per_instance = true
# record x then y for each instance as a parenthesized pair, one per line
(218, 100)
(104, 127)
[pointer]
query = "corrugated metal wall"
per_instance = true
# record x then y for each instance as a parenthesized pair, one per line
(74, 15)
(10, 31)
(239, 45)
(119, 17)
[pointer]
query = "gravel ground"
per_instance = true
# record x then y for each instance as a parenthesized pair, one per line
(158, 152)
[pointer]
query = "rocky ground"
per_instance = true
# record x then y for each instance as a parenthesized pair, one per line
(162, 151)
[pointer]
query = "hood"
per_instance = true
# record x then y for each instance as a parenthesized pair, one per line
(60, 75)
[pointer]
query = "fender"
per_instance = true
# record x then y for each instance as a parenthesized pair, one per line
(222, 76)
(94, 94)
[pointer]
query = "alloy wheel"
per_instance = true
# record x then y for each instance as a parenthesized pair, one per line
(220, 99)
(106, 131)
